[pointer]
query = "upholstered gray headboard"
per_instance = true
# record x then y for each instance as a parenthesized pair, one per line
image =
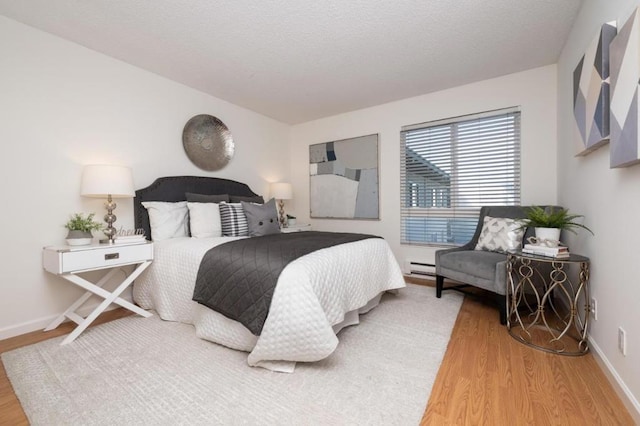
(173, 189)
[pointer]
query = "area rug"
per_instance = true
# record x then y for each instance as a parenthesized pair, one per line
(148, 371)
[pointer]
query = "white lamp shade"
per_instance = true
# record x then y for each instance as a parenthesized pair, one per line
(281, 191)
(100, 180)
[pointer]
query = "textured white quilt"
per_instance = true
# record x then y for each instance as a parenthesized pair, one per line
(315, 296)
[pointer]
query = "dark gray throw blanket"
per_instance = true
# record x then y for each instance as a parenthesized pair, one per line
(238, 278)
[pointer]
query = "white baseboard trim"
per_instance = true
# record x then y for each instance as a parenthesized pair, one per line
(625, 394)
(41, 323)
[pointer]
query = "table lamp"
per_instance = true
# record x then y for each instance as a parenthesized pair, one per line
(101, 180)
(281, 191)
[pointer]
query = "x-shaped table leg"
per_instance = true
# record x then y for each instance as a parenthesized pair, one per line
(109, 298)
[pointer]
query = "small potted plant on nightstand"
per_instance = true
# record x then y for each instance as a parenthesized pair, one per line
(291, 220)
(80, 227)
(548, 223)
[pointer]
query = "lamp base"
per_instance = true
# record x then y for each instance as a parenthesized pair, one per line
(110, 231)
(281, 211)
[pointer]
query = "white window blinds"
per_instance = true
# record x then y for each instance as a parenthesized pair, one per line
(451, 168)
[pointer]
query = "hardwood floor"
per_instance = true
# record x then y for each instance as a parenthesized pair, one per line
(486, 378)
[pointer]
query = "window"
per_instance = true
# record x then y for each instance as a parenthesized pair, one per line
(451, 168)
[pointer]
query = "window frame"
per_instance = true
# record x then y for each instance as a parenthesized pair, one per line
(410, 191)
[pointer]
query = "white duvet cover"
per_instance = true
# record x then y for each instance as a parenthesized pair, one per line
(315, 296)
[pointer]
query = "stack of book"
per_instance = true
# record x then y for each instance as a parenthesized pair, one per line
(541, 250)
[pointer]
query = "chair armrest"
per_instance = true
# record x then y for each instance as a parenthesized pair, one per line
(471, 245)
(468, 246)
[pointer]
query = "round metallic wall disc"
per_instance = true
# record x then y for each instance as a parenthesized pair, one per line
(207, 142)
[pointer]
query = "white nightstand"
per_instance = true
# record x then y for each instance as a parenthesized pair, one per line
(68, 261)
(296, 228)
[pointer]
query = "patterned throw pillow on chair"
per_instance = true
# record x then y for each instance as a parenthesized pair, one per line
(500, 234)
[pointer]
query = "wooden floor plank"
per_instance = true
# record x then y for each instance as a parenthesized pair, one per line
(487, 377)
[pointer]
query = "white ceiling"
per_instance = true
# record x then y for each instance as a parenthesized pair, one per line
(299, 60)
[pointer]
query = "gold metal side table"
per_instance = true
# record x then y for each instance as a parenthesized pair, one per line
(543, 304)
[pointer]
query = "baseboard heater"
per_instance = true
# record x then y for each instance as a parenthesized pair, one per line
(420, 268)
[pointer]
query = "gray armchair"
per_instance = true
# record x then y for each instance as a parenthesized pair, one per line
(477, 268)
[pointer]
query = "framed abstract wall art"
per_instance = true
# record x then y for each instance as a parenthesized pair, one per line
(591, 92)
(625, 73)
(344, 178)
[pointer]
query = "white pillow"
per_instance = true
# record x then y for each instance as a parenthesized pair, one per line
(204, 220)
(500, 234)
(167, 220)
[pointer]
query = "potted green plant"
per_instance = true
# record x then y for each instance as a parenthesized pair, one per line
(549, 222)
(291, 220)
(80, 227)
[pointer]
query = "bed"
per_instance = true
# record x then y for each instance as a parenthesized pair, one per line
(315, 297)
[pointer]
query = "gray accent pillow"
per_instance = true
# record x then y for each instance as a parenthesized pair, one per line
(205, 198)
(261, 218)
(240, 198)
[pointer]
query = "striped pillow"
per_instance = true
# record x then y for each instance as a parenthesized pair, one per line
(234, 222)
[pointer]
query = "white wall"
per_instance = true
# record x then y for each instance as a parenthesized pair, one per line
(610, 201)
(534, 91)
(62, 106)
